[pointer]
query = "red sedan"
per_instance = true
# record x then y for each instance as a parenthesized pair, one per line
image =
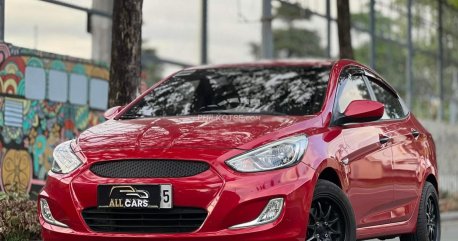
(284, 151)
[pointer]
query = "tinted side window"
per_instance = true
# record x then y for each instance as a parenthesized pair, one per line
(352, 88)
(393, 106)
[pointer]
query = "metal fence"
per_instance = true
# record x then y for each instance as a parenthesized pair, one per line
(445, 137)
(414, 45)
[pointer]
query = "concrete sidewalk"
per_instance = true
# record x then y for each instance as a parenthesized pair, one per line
(449, 216)
(449, 222)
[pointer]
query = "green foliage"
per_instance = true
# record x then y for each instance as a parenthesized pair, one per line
(296, 42)
(391, 57)
(18, 218)
(289, 12)
(291, 41)
(391, 62)
(453, 3)
(151, 69)
(384, 24)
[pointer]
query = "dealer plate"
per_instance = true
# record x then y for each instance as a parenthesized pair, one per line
(134, 196)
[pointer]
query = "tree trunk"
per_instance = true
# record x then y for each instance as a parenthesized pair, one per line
(125, 51)
(344, 27)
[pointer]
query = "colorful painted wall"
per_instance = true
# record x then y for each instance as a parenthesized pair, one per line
(30, 129)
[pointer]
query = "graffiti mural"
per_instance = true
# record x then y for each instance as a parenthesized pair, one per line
(44, 100)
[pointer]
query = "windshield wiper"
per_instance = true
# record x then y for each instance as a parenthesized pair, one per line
(270, 113)
(229, 112)
(130, 116)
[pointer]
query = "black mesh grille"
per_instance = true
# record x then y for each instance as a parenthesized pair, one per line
(175, 220)
(149, 168)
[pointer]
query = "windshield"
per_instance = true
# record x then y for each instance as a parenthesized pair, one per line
(243, 90)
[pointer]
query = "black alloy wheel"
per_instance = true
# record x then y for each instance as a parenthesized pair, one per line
(431, 218)
(331, 217)
(428, 222)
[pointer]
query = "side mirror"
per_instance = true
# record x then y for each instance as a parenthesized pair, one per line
(361, 111)
(112, 112)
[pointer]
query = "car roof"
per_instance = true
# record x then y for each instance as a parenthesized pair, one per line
(270, 63)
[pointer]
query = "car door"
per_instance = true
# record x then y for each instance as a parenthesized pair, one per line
(405, 146)
(368, 159)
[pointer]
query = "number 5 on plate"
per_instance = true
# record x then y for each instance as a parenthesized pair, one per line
(166, 196)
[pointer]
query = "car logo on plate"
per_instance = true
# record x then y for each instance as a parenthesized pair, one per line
(128, 196)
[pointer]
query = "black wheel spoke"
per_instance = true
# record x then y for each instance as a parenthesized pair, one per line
(313, 214)
(326, 221)
(429, 207)
(333, 221)
(336, 233)
(432, 224)
(326, 216)
(320, 210)
(312, 238)
(333, 231)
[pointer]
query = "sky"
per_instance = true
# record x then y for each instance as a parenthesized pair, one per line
(171, 27)
(44, 26)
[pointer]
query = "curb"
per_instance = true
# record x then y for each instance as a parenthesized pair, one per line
(449, 216)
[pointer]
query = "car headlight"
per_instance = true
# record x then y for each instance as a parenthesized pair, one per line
(279, 154)
(65, 160)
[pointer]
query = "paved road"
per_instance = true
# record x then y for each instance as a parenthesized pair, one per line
(449, 232)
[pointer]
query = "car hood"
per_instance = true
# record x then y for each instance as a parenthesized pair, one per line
(226, 131)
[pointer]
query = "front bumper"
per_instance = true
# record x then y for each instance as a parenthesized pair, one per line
(267, 233)
(230, 198)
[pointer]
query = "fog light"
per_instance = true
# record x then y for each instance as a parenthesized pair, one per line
(47, 215)
(270, 213)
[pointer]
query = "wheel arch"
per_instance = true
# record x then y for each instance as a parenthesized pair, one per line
(330, 174)
(431, 178)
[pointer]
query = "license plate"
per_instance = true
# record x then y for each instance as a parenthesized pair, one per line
(134, 196)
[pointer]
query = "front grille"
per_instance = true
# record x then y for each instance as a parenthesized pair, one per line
(149, 168)
(175, 220)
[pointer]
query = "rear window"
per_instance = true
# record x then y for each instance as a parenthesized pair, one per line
(251, 90)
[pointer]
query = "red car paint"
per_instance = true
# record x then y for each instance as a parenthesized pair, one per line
(382, 181)
(371, 108)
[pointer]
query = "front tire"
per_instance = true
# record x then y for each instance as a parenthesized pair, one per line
(331, 215)
(428, 222)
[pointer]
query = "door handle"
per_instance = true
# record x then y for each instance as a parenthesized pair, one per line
(384, 139)
(415, 133)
